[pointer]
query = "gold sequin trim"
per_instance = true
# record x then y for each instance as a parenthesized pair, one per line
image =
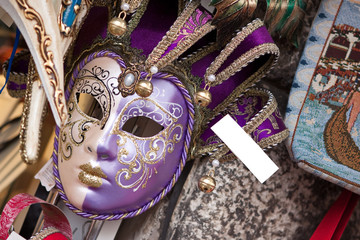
(156, 57)
(32, 76)
(225, 53)
(45, 233)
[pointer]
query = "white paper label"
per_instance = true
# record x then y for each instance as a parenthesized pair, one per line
(15, 236)
(45, 175)
(245, 148)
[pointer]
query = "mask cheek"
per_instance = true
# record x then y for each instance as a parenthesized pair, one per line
(76, 149)
(130, 167)
(69, 172)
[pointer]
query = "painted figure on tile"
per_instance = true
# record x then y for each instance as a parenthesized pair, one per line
(334, 90)
(353, 103)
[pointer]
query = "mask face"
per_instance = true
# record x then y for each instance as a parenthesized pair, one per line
(120, 154)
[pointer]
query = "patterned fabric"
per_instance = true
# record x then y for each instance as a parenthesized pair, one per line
(324, 103)
(196, 20)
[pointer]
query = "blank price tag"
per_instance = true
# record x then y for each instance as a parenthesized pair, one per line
(245, 148)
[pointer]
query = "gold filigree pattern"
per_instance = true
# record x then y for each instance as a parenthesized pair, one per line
(73, 132)
(45, 41)
(143, 162)
(149, 150)
(274, 124)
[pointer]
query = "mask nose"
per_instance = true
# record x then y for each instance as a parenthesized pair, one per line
(107, 148)
(104, 147)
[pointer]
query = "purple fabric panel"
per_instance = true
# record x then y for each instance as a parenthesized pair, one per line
(198, 19)
(222, 91)
(156, 21)
(199, 68)
(14, 86)
(259, 36)
(95, 25)
(240, 119)
(275, 128)
(256, 38)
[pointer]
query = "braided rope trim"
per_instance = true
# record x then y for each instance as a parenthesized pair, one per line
(184, 155)
(171, 35)
(262, 50)
(229, 48)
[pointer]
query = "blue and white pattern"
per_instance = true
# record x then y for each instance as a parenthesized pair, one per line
(308, 108)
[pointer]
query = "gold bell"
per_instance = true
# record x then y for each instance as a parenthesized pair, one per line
(207, 184)
(144, 88)
(203, 98)
(117, 26)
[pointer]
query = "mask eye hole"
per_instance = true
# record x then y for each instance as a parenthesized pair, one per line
(142, 126)
(89, 105)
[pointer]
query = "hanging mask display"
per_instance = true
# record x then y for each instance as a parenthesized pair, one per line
(118, 150)
(140, 100)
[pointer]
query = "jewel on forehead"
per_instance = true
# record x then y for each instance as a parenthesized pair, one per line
(127, 81)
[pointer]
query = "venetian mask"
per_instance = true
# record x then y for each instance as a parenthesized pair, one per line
(121, 154)
(118, 153)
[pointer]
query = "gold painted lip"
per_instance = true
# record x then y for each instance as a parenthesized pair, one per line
(91, 176)
(95, 171)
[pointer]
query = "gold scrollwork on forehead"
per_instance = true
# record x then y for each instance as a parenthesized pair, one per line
(98, 90)
(47, 56)
(171, 117)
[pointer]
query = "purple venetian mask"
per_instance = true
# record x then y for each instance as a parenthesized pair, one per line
(117, 156)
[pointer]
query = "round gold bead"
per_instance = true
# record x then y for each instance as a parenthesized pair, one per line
(117, 26)
(144, 88)
(203, 98)
(207, 184)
